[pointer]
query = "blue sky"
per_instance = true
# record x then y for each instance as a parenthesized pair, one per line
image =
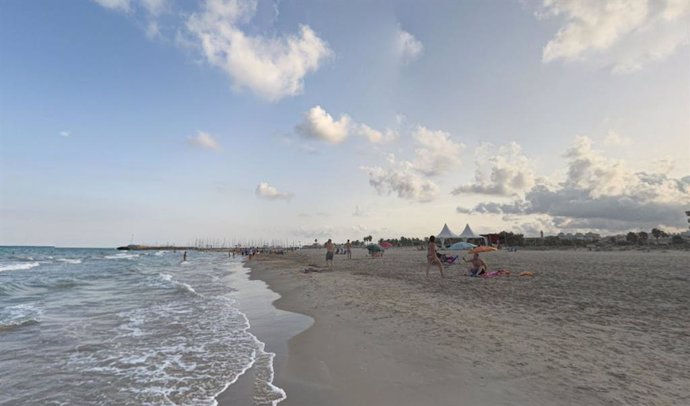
(293, 120)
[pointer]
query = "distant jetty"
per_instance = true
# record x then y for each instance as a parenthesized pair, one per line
(137, 247)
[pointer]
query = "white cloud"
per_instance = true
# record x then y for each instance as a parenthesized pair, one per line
(153, 30)
(318, 124)
(622, 34)
(375, 136)
(437, 153)
(402, 181)
(204, 140)
(266, 191)
(155, 7)
(613, 139)
(500, 171)
(65, 133)
(603, 194)
(122, 5)
(369, 133)
(359, 212)
(407, 47)
(272, 67)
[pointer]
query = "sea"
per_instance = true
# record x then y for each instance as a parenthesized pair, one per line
(101, 326)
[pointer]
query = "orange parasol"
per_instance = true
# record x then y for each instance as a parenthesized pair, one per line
(483, 248)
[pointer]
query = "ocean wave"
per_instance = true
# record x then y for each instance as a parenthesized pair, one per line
(122, 256)
(66, 284)
(70, 260)
(19, 315)
(181, 285)
(19, 266)
(182, 352)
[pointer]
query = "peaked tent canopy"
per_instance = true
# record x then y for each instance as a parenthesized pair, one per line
(445, 233)
(467, 233)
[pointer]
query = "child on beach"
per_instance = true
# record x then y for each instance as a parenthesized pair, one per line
(348, 248)
(431, 257)
(330, 250)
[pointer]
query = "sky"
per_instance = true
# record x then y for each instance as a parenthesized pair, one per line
(163, 121)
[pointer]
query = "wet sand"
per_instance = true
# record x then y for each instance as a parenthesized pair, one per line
(598, 328)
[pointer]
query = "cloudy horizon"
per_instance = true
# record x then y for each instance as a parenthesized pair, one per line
(154, 121)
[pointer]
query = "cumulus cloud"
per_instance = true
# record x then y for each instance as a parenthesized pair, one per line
(272, 67)
(407, 47)
(603, 194)
(318, 124)
(204, 140)
(375, 136)
(501, 171)
(613, 139)
(121, 5)
(154, 7)
(402, 181)
(623, 34)
(437, 152)
(266, 191)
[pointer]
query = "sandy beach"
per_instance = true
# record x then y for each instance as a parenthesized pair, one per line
(597, 328)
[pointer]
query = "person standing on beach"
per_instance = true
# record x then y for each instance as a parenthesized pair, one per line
(330, 250)
(432, 258)
(348, 249)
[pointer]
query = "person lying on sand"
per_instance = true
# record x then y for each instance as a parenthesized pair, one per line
(477, 265)
(432, 258)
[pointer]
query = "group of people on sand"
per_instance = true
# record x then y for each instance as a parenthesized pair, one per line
(477, 265)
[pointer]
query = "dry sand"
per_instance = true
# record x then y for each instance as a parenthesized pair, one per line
(595, 328)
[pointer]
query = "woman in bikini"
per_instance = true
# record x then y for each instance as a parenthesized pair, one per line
(431, 257)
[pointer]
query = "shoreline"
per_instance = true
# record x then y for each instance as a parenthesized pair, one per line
(342, 360)
(384, 334)
(361, 357)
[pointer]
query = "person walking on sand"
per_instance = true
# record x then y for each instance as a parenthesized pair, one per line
(330, 250)
(432, 258)
(348, 249)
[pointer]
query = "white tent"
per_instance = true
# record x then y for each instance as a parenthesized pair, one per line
(467, 233)
(445, 233)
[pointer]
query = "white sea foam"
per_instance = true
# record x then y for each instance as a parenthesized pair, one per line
(211, 351)
(18, 266)
(168, 278)
(70, 260)
(122, 255)
(169, 342)
(19, 315)
(160, 253)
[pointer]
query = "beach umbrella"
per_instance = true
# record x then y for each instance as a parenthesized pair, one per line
(374, 248)
(483, 248)
(462, 245)
(385, 245)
